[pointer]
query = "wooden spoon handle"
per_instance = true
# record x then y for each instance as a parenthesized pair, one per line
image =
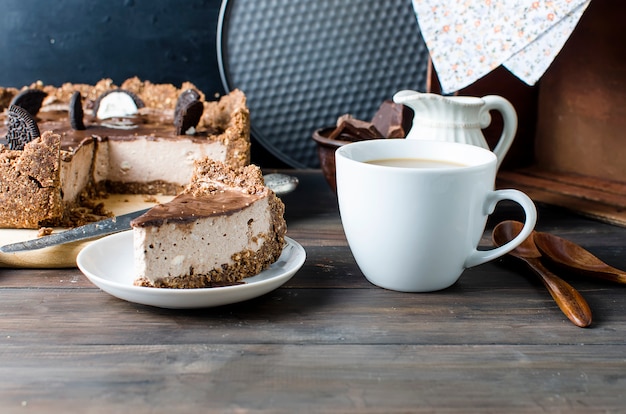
(569, 300)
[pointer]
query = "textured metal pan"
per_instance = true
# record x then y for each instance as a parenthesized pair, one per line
(304, 63)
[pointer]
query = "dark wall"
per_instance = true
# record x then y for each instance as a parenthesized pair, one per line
(83, 41)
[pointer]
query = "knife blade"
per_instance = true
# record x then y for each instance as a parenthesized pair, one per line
(88, 231)
(280, 183)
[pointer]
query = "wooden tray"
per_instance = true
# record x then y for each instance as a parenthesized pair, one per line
(65, 255)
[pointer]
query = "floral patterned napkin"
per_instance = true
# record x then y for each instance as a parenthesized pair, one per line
(469, 38)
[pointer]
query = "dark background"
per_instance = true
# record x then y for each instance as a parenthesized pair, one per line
(83, 41)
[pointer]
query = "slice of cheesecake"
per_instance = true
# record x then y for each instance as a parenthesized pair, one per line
(225, 226)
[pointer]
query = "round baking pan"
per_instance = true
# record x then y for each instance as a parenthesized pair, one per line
(302, 64)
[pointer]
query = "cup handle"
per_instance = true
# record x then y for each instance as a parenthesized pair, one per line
(478, 257)
(509, 117)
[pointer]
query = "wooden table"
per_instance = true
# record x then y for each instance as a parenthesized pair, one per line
(327, 341)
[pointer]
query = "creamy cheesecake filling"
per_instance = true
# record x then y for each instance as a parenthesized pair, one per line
(76, 171)
(138, 154)
(150, 160)
(200, 241)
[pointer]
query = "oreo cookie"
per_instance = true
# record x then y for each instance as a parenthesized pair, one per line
(185, 97)
(30, 99)
(117, 103)
(76, 112)
(188, 116)
(22, 127)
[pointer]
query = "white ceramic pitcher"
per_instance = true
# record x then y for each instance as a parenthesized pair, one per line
(458, 118)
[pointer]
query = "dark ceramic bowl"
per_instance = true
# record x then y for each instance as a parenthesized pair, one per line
(326, 148)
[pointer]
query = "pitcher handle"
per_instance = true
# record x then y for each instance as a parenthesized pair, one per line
(509, 116)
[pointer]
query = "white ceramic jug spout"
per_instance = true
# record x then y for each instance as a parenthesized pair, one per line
(458, 118)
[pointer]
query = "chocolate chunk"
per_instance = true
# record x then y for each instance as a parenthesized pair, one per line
(188, 117)
(22, 127)
(352, 129)
(393, 120)
(112, 109)
(76, 112)
(30, 100)
(185, 97)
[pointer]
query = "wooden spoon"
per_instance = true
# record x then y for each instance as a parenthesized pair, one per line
(573, 257)
(569, 300)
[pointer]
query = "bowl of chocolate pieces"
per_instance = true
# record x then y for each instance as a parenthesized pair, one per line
(391, 120)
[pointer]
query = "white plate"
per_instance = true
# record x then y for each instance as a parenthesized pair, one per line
(108, 264)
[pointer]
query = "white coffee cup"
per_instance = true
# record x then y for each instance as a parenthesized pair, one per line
(415, 229)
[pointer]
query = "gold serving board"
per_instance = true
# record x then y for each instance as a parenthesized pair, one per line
(64, 255)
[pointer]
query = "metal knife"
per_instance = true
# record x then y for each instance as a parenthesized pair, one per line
(280, 183)
(88, 231)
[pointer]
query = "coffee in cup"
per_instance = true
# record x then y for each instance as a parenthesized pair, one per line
(414, 163)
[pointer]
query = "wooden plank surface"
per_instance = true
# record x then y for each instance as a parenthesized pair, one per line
(327, 341)
(293, 378)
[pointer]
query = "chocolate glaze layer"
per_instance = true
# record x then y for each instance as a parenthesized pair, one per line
(150, 124)
(188, 208)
